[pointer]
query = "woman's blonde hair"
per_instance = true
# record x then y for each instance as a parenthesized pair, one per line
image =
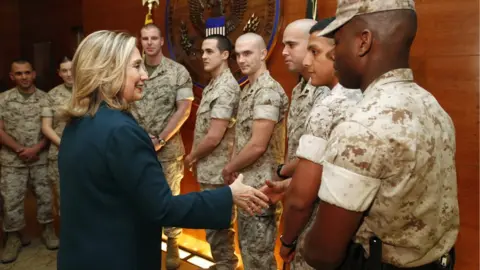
(99, 70)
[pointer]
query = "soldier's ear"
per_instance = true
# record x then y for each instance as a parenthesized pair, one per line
(365, 42)
(263, 54)
(225, 55)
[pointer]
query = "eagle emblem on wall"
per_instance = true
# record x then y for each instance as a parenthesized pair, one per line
(188, 22)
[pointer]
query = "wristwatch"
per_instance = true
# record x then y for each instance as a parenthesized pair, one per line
(291, 245)
(279, 169)
(161, 141)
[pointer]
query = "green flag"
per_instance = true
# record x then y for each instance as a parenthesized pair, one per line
(311, 9)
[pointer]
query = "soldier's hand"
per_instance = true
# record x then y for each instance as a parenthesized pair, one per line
(247, 198)
(228, 177)
(156, 143)
(189, 161)
(28, 154)
(275, 191)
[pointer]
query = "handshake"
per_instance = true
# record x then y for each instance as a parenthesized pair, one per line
(254, 201)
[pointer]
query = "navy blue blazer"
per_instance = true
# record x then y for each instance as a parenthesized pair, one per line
(115, 199)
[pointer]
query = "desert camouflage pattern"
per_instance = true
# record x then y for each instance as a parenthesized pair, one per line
(303, 97)
(13, 187)
(222, 242)
(169, 83)
(56, 98)
(264, 99)
(22, 121)
(398, 147)
(173, 171)
(347, 9)
(257, 236)
(219, 101)
(324, 116)
(54, 178)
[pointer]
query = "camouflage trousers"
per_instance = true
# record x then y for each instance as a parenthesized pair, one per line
(13, 187)
(222, 242)
(298, 262)
(173, 170)
(54, 178)
(257, 236)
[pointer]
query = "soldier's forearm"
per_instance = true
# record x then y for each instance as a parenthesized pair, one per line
(249, 154)
(295, 221)
(174, 124)
(204, 148)
(289, 168)
(48, 131)
(44, 142)
(8, 141)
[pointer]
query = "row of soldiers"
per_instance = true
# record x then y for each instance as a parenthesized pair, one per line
(240, 131)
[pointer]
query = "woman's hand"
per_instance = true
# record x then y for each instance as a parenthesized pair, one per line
(249, 199)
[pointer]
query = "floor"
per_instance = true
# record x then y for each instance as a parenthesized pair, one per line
(36, 256)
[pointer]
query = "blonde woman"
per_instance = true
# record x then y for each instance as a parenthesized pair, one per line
(52, 127)
(115, 197)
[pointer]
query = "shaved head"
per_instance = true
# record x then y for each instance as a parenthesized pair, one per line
(251, 53)
(295, 40)
(255, 39)
(301, 26)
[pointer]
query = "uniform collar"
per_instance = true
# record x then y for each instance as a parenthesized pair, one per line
(396, 75)
(161, 68)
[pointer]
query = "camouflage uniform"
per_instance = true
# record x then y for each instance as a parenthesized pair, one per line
(219, 101)
(21, 118)
(264, 99)
(324, 116)
(56, 98)
(395, 155)
(170, 82)
(303, 96)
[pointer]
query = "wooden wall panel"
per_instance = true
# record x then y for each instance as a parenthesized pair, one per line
(444, 60)
(49, 21)
(10, 35)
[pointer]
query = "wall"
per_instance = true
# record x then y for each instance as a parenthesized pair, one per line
(49, 21)
(445, 61)
(10, 45)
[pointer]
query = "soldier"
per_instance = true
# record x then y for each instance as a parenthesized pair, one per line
(52, 126)
(295, 40)
(164, 108)
(214, 137)
(301, 198)
(259, 146)
(23, 159)
(389, 177)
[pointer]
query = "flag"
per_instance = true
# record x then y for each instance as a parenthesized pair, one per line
(311, 9)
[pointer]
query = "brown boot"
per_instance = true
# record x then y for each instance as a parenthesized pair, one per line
(12, 247)
(49, 239)
(173, 259)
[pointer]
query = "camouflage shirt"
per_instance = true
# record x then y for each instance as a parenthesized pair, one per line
(219, 101)
(264, 99)
(56, 98)
(169, 83)
(325, 114)
(303, 97)
(22, 121)
(395, 153)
